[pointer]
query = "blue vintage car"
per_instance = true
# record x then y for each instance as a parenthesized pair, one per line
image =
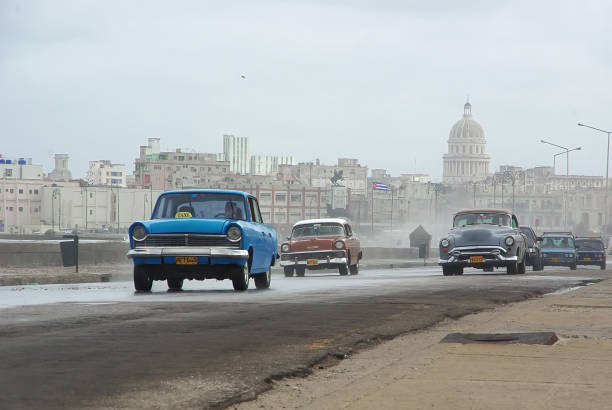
(558, 249)
(591, 251)
(203, 234)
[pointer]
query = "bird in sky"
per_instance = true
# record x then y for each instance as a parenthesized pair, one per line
(242, 76)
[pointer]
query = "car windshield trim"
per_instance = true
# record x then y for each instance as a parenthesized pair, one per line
(200, 205)
(482, 218)
(325, 229)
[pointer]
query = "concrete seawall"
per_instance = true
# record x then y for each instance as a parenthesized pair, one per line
(47, 253)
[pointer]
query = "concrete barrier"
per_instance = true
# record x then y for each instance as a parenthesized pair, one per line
(47, 253)
(390, 253)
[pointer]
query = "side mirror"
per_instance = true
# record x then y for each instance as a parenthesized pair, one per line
(288, 238)
(539, 238)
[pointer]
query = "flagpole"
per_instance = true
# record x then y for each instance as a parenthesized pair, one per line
(391, 188)
(372, 220)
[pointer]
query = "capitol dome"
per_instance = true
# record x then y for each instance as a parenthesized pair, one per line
(467, 127)
(466, 160)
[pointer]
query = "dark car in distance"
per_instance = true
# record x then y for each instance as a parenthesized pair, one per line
(591, 250)
(534, 253)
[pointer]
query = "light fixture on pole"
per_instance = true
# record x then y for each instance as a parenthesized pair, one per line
(566, 152)
(607, 163)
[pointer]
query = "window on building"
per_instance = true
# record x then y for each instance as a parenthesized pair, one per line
(12, 191)
(91, 212)
(280, 197)
(181, 158)
(30, 192)
(8, 172)
(10, 208)
(35, 210)
(36, 192)
(21, 209)
(296, 197)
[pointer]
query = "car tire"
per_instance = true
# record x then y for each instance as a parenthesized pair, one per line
(522, 267)
(143, 282)
(240, 278)
(343, 269)
(512, 268)
(300, 271)
(448, 270)
(354, 269)
(573, 267)
(288, 271)
(459, 270)
(263, 280)
(175, 283)
(602, 266)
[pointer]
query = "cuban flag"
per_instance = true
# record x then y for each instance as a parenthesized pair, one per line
(379, 186)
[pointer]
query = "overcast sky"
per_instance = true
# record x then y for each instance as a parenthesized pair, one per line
(382, 81)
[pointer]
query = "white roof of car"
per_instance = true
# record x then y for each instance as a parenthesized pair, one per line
(321, 221)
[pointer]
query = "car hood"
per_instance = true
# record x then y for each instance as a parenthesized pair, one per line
(490, 235)
(187, 225)
(313, 244)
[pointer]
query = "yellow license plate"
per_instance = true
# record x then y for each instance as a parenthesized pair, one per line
(587, 259)
(556, 259)
(186, 260)
(476, 259)
(312, 262)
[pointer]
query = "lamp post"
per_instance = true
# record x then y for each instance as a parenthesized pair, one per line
(566, 152)
(607, 163)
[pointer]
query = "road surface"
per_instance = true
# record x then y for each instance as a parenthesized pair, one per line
(102, 345)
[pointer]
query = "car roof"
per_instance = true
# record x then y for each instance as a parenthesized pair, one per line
(558, 234)
(320, 221)
(207, 191)
(597, 238)
(484, 211)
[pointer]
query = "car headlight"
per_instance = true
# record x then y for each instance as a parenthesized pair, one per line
(139, 233)
(339, 245)
(445, 243)
(569, 255)
(234, 234)
(509, 241)
(285, 247)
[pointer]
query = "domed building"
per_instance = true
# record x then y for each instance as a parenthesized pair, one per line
(466, 160)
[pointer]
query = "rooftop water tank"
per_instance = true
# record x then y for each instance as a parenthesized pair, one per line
(2, 161)
(21, 162)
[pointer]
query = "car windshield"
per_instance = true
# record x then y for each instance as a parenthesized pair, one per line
(200, 205)
(324, 229)
(589, 244)
(481, 219)
(562, 242)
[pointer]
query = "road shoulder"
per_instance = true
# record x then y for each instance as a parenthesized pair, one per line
(416, 371)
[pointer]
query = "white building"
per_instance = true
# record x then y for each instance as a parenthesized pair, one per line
(21, 168)
(268, 164)
(104, 172)
(62, 168)
(466, 160)
(236, 151)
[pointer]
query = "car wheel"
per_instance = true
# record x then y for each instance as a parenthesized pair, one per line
(175, 283)
(602, 266)
(448, 270)
(262, 280)
(300, 271)
(459, 270)
(288, 271)
(573, 267)
(142, 280)
(343, 269)
(354, 269)
(521, 267)
(512, 268)
(240, 278)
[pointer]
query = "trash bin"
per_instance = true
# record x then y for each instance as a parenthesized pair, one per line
(68, 249)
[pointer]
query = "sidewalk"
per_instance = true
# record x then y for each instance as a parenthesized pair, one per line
(417, 372)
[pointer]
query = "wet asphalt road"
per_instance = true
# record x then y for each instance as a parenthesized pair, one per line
(102, 345)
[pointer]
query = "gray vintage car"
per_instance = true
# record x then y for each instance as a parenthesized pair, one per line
(484, 239)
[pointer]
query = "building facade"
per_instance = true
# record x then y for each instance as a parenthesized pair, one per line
(104, 172)
(466, 160)
(316, 175)
(61, 172)
(236, 152)
(175, 170)
(268, 164)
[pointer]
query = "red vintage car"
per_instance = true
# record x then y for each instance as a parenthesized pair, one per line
(321, 244)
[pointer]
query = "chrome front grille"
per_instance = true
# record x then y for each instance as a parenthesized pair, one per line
(187, 239)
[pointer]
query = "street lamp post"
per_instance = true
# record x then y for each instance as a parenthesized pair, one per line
(566, 152)
(607, 163)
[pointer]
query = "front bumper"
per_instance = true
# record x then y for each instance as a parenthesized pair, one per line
(559, 261)
(591, 259)
(210, 252)
(319, 259)
(479, 257)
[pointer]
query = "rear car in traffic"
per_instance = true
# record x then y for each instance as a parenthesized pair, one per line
(534, 253)
(203, 234)
(558, 249)
(591, 250)
(326, 243)
(483, 239)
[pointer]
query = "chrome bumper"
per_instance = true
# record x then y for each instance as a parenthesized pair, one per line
(322, 258)
(494, 255)
(155, 251)
(320, 262)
